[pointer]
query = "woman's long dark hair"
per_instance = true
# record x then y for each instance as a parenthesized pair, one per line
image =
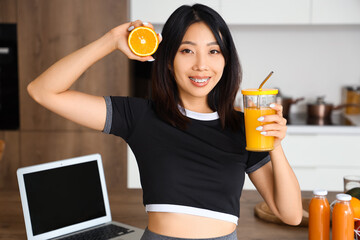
(164, 89)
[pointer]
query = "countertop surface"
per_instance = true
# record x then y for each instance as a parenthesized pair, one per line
(127, 208)
(337, 124)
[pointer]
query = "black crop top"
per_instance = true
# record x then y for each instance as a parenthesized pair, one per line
(198, 171)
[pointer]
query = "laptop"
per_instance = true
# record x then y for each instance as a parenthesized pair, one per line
(68, 199)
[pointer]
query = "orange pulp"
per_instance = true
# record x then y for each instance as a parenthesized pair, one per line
(143, 41)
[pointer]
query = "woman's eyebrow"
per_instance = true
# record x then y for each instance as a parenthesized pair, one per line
(192, 43)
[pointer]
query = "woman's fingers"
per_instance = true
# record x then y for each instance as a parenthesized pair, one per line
(273, 118)
(278, 108)
(278, 117)
(274, 130)
(139, 23)
(274, 125)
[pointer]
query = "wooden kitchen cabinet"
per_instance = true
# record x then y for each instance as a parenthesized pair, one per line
(48, 31)
(48, 146)
(336, 12)
(7, 11)
(266, 12)
(10, 160)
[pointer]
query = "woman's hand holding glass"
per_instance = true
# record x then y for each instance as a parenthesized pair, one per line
(277, 125)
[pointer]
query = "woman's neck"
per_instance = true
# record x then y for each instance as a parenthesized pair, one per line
(199, 106)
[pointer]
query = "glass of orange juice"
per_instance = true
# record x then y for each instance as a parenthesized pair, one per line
(256, 104)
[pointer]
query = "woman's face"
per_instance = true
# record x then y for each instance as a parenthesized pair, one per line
(198, 63)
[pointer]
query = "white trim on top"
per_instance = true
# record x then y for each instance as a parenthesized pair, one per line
(199, 116)
(191, 210)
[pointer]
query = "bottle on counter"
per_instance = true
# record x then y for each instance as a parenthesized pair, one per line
(319, 216)
(343, 218)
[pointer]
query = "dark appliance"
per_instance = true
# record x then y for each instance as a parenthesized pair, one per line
(9, 84)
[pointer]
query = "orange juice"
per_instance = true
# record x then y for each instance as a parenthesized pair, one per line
(257, 104)
(343, 219)
(254, 140)
(319, 216)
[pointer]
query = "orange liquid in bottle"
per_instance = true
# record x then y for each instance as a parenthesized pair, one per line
(343, 221)
(319, 218)
(254, 140)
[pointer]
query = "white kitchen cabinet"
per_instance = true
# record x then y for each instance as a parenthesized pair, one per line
(336, 12)
(233, 11)
(256, 12)
(158, 11)
(321, 160)
(133, 176)
(266, 12)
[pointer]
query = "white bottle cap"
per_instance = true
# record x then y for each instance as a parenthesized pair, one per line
(343, 197)
(320, 192)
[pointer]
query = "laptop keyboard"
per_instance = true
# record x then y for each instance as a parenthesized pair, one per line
(100, 233)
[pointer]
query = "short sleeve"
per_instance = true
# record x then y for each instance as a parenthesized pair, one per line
(122, 115)
(256, 160)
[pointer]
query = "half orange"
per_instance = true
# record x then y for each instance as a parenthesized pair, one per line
(355, 203)
(143, 41)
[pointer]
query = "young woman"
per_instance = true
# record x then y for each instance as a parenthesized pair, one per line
(188, 139)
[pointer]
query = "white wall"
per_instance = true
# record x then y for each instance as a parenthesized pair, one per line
(308, 61)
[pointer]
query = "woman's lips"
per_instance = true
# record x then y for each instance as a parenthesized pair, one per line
(199, 81)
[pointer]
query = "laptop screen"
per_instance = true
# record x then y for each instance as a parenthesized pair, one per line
(64, 196)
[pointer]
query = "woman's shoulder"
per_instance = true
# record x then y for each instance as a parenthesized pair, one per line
(130, 106)
(131, 101)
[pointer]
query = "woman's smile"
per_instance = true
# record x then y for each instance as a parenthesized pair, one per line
(200, 81)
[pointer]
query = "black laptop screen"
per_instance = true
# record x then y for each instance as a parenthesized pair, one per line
(64, 196)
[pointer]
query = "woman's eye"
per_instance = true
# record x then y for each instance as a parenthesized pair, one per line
(214, 51)
(186, 51)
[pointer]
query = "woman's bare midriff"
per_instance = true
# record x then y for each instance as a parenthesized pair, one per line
(188, 226)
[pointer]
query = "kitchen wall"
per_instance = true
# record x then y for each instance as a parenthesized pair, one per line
(308, 61)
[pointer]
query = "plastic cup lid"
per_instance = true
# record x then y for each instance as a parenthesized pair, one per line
(255, 91)
(320, 192)
(343, 197)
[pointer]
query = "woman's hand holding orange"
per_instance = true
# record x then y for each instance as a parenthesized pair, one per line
(120, 36)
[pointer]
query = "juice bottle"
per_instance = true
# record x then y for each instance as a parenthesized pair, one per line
(319, 216)
(343, 218)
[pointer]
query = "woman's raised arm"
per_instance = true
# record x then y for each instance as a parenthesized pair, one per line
(51, 88)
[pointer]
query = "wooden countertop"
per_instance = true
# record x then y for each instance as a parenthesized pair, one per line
(127, 208)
